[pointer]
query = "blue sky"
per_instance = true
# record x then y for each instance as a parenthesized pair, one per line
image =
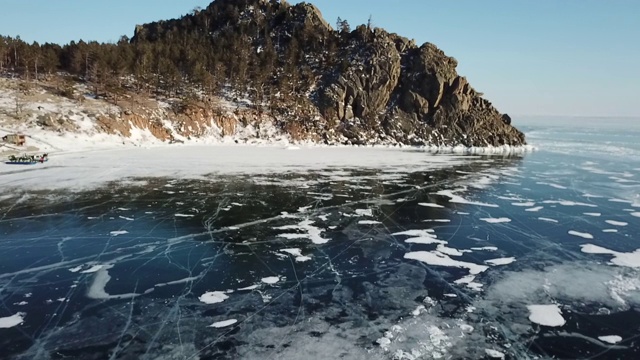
(529, 57)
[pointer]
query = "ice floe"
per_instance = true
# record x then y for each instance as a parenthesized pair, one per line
(535, 209)
(546, 315)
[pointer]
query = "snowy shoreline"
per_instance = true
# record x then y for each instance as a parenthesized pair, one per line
(83, 161)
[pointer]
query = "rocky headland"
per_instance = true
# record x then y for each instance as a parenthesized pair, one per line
(258, 69)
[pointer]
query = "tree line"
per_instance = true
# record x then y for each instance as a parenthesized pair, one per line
(267, 54)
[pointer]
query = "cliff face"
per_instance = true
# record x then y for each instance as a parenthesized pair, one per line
(362, 87)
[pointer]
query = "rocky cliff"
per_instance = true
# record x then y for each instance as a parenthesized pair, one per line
(363, 86)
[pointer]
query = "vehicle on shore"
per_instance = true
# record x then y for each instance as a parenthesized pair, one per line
(27, 159)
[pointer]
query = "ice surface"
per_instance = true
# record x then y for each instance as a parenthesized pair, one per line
(546, 315)
(400, 260)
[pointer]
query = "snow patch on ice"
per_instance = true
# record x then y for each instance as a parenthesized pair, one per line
(439, 259)
(454, 198)
(184, 215)
(569, 203)
(118, 232)
(249, 288)
(91, 270)
(610, 339)
(546, 315)
(369, 222)
(312, 233)
(535, 209)
(501, 261)
(297, 253)
(213, 297)
(223, 324)
(548, 220)
(496, 220)
(524, 204)
(271, 280)
(616, 223)
(494, 354)
(580, 234)
(631, 259)
(12, 321)
(432, 205)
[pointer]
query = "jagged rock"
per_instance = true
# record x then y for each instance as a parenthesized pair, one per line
(46, 120)
(383, 87)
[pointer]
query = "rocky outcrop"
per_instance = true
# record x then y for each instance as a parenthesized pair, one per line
(377, 88)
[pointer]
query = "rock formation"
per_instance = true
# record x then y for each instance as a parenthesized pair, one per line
(365, 86)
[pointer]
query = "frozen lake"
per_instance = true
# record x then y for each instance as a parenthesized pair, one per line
(394, 254)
